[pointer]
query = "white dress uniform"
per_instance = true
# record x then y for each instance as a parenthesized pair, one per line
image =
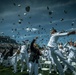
(24, 57)
(72, 53)
(1, 58)
(63, 50)
(55, 52)
(14, 62)
(71, 56)
(74, 58)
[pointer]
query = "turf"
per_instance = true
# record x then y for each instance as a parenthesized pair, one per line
(9, 71)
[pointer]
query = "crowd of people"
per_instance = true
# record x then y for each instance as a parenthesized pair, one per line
(61, 56)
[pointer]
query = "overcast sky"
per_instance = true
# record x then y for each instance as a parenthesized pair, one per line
(20, 23)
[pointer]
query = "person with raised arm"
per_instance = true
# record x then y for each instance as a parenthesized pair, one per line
(34, 56)
(52, 44)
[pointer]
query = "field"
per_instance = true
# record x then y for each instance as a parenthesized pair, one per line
(9, 71)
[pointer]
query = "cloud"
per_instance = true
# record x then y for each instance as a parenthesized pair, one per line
(8, 13)
(38, 12)
(34, 29)
(10, 9)
(72, 29)
(63, 4)
(31, 29)
(39, 35)
(66, 20)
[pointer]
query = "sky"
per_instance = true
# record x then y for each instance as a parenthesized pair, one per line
(26, 19)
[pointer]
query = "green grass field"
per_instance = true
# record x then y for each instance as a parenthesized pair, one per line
(8, 71)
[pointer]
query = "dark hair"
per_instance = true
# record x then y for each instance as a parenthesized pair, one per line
(53, 30)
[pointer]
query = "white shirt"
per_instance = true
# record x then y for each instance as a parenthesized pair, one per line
(54, 38)
(23, 49)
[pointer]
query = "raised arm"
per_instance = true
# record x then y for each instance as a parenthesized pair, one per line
(65, 33)
(61, 34)
(32, 44)
(65, 44)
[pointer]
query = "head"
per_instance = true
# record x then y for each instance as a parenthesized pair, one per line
(24, 42)
(60, 46)
(53, 31)
(36, 46)
(18, 51)
(71, 43)
(36, 37)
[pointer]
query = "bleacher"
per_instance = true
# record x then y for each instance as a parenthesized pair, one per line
(6, 41)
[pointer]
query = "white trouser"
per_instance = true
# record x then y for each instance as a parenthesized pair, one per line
(52, 62)
(24, 57)
(70, 59)
(1, 60)
(13, 61)
(33, 68)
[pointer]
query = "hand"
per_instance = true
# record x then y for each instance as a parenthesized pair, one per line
(72, 32)
(36, 38)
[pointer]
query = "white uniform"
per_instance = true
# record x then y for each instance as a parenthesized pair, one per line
(71, 56)
(1, 58)
(55, 52)
(54, 38)
(24, 57)
(14, 62)
(72, 51)
(63, 50)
